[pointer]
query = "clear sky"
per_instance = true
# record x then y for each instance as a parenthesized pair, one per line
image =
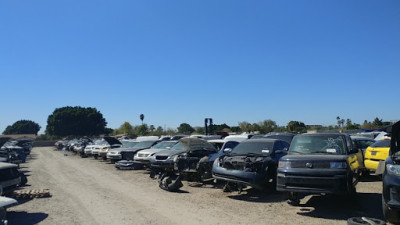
(183, 61)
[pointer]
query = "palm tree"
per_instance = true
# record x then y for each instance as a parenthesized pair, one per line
(142, 118)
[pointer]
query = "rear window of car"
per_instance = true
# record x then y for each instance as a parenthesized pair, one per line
(381, 144)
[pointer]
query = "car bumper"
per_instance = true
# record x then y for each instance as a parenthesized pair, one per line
(114, 157)
(321, 181)
(168, 164)
(391, 191)
(371, 164)
(252, 179)
(142, 161)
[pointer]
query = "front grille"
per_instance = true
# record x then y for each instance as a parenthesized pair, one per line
(321, 165)
(161, 157)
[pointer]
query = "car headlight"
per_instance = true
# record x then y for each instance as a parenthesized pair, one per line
(393, 169)
(284, 164)
(338, 165)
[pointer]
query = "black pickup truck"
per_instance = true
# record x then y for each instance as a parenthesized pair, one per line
(319, 163)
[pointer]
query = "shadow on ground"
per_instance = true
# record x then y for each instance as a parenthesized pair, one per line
(254, 195)
(25, 218)
(341, 208)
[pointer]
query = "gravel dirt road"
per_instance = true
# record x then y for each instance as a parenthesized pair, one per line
(89, 191)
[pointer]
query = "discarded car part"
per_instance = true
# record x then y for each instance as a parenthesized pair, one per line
(364, 221)
(29, 194)
(170, 182)
(127, 165)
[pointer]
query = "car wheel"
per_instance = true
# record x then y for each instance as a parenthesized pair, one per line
(95, 156)
(390, 215)
(3, 213)
(24, 180)
(365, 220)
(294, 199)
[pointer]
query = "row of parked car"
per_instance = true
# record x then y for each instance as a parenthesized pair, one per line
(311, 163)
(13, 152)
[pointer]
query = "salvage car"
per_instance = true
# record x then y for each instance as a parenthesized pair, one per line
(144, 156)
(375, 156)
(251, 163)
(189, 160)
(5, 202)
(391, 179)
(319, 163)
(10, 177)
(114, 155)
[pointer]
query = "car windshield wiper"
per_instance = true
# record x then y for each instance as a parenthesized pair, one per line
(324, 152)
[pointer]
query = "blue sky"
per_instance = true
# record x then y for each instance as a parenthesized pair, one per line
(183, 61)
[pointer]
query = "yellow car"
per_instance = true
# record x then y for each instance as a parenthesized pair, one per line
(375, 153)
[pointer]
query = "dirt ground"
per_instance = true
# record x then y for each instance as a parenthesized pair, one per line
(89, 191)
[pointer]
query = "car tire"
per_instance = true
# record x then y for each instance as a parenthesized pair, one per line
(24, 179)
(294, 199)
(390, 215)
(365, 221)
(3, 214)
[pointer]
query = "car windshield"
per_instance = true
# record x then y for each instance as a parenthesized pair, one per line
(318, 144)
(164, 144)
(128, 144)
(178, 146)
(253, 148)
(381, 144)
(144, 144)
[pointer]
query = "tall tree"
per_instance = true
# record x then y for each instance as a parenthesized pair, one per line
(23, 127)
(296, 127)
(185, 128)
(142, 118)
(75, 121)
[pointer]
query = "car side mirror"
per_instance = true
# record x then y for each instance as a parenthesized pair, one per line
(227, 150)
(283, 151)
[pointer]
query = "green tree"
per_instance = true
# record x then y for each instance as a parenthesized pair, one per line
(267, 126)
(142, 130)
(23, 127)
(377, 123)
(75, 121)
(296, 127)
(245, 126)
(185, 128)
(125, 128)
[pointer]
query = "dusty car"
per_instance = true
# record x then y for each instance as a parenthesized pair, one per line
(114, 155)
(5, 202)
(251, 163)
(375, 156)
(391, 179)
(189, 160)
(112, 144)
(10, 177)
(319, 163)
(144, 156)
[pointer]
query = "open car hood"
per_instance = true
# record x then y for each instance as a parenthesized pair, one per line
(3, 140)
(395, 140)
(112, 141)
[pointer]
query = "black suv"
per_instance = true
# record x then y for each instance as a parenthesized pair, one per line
(391, 178)
(319, 163)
